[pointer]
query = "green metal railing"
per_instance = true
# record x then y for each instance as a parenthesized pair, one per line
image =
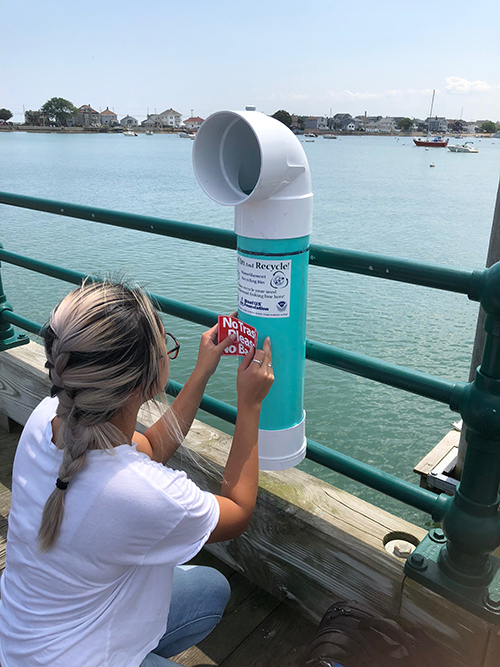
(456, 563)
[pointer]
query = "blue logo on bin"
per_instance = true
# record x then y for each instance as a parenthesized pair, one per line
(279, 280)
(281, 305)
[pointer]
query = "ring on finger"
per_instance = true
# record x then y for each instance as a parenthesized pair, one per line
(257, 362)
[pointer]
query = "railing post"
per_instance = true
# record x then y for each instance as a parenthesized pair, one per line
(8, 337)
(477, 352)
(456, 561)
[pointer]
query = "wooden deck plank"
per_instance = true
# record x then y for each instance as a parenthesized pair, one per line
(437, 454)
(281, 639)
(8, 445)
(233, 629)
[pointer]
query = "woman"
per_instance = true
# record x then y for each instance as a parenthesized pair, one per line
(98, 524)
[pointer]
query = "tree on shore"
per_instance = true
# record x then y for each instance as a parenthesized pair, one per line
(5, 114)
(284, 117)
(58, 110)
(488, 127)
(33, 117)
(405, 124)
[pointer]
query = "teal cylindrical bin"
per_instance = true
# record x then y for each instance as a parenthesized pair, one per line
(253, 162)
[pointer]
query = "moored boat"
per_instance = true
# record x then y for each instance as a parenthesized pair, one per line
(428, 141)
(463, 148)
(431, 142)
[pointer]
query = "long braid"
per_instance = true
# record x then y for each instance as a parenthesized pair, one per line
(103, 342)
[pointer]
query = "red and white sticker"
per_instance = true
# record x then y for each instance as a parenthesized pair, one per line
(246, 336)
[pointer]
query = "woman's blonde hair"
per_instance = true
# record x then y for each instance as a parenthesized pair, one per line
(103, 342)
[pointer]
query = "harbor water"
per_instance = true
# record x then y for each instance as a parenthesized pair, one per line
(375, 194)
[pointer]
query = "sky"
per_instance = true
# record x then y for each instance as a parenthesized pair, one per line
(309, 58)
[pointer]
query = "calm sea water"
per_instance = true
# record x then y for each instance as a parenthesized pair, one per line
(374, 194)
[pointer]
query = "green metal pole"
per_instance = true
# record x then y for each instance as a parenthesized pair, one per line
(457, 562)
(8, 337)
(469, 544)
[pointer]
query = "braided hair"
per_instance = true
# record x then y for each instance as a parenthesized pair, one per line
(103, 342)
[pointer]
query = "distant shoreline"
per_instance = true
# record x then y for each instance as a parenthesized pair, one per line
(80, 130)
(140, 130)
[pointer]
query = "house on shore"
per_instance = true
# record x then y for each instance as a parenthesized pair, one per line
(193, 123)
(149, 123)
(338, 121)
(129, 121)
(168, 118)
(316, 123)
(108, 117)
(376, 124)
(352, 124)
(87, 116)
(171, 118)
(437, 124)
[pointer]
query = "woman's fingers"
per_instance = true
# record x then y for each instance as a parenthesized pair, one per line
(264, 356)
(261, 358)
(268, 357)
(247, 359)
(255, 376)
(211, 334)
(231, 337)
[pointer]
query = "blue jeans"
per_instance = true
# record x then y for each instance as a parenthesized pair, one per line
(199, 597)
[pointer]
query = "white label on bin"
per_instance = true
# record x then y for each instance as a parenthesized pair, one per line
(264, 286)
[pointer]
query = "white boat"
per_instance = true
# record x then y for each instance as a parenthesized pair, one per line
(129, 133)
(187, 135)
(149, 133)
(463, 148)
(310, 135)
(329, 136)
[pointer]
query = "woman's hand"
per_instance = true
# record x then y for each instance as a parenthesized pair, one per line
(211, 351)
(241, 474)
(255, 377)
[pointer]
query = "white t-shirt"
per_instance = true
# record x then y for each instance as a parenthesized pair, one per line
(100, 597)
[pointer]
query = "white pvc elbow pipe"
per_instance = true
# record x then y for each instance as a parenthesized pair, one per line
(253, 162)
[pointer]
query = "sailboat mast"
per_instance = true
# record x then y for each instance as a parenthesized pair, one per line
(430, 113)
